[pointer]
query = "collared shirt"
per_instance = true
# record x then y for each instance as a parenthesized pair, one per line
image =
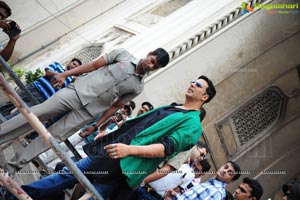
(181, 177)
(130, 129)
(133, 127)
(212, 189)
(43, 84)
(194, 182)
(97, 90)
(182, 128)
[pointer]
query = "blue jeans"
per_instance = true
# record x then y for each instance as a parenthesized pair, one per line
(142, 194)
(49, 186)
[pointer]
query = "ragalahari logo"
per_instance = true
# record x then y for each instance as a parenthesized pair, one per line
(246, 8)
(274, 8)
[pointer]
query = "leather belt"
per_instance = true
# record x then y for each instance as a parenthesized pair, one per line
(152, 192)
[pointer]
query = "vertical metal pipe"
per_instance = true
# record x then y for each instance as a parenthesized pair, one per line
(12, 186)
(18, 82)
(72, 149)
(46, 136)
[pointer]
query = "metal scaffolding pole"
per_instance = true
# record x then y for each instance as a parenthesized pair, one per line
(18, 82)
(12, 186)
(46, 136)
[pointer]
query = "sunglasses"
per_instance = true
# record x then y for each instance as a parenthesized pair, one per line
(198, 84)
(202, 154)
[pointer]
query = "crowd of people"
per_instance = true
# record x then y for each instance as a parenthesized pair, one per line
(158, 154)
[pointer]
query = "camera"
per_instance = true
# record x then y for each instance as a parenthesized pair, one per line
(13, 30)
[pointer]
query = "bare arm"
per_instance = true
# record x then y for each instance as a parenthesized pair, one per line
(8, 50)
(162, 172)
(169, 194)
(148, 151)
(108, 113)
(123, 150)
(85, 68)
(50, 73)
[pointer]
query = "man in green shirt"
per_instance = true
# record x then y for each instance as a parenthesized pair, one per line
(126, 156)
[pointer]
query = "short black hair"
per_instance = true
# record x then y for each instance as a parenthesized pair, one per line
(162, 56)
(128, 108)
(148, 104)
(228, 196)
(132, 104)
(293, 188)
(6, 7)
(210, 90)
(205, 165)
(257, 190)
(202, 113)
(237, 170)
(201, 144)
(77, 60)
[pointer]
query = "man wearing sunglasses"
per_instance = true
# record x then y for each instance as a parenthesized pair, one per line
(249, 189)
(200, 149)
(126, 156)
(5, 12)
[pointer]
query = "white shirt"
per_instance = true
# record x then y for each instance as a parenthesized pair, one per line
(182, 177)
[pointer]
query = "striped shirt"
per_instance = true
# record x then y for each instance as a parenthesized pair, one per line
(43, 84)
(212, 189)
